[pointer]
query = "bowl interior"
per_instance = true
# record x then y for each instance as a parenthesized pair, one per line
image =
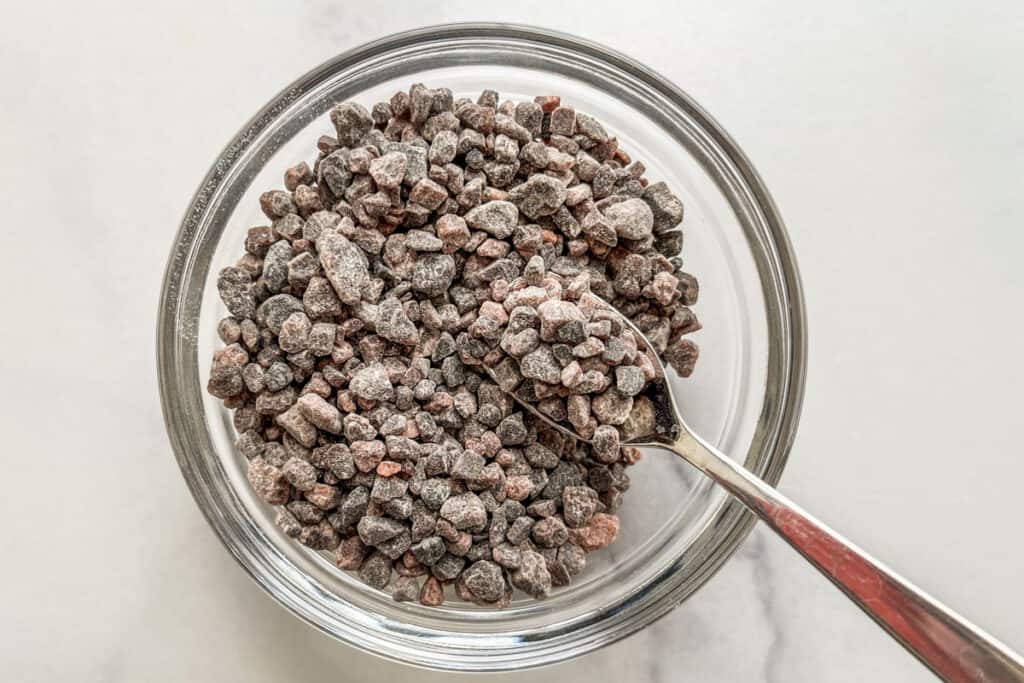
(676, 527)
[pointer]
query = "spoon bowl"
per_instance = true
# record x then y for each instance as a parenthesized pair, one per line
(664, 425)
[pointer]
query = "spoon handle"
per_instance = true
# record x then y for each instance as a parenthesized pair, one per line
(952, 647)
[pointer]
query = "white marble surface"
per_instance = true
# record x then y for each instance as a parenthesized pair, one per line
(891, 137)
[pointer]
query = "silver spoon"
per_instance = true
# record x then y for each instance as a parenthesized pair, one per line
(952, 647)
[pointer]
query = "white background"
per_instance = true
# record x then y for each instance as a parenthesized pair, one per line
(891, 137)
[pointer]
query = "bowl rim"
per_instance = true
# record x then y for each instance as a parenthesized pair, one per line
(731, 524)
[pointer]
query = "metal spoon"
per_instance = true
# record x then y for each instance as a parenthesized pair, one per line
(952, 647)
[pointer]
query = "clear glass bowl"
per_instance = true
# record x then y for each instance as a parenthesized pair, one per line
(677, 528)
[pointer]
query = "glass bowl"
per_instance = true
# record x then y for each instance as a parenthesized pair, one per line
(677, 528)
